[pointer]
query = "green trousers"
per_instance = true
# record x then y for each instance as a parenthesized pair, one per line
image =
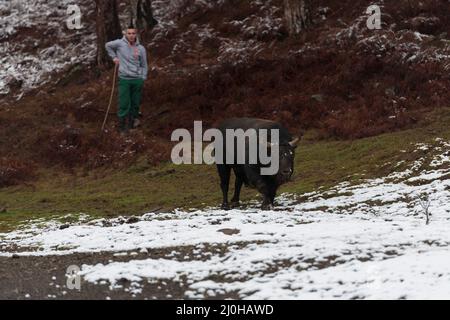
(130, 93)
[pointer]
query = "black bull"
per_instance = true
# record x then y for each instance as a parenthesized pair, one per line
(250, 174)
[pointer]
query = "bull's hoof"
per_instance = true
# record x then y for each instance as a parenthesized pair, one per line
(225, 206)
(267, 206)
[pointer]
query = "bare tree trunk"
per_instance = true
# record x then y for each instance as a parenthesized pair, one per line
(141, 16)
(107, 27)
(297, 14)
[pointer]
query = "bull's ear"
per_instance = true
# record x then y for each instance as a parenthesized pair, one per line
(294, 142)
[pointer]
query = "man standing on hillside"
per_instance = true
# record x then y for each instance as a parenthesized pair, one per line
(131, 57)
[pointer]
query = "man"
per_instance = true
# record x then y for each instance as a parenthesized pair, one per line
(131, 57)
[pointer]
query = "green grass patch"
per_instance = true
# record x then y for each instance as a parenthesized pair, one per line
(142, 188)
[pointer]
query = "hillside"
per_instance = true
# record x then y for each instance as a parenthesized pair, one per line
(211, 60)
(339, 81)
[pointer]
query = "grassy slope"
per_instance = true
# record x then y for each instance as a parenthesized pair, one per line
(142, 188)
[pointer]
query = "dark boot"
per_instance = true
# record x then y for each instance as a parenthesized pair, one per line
(131, 122)
(123, 126)
(136, 122)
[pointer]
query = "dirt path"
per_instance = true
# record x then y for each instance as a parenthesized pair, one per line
(45, 278)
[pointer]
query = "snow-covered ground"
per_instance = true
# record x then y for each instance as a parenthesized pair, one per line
(35, 41)
(46, 45)
(367, 241)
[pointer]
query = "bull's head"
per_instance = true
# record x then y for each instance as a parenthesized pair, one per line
(286, 160)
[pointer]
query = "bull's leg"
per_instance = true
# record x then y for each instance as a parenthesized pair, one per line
(224, 174)
(268, 197)
(237, 190)
(263, 188)
(262, 185)
(266, 205)
(272, 196)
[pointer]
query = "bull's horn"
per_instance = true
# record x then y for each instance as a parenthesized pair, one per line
(294, 142)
